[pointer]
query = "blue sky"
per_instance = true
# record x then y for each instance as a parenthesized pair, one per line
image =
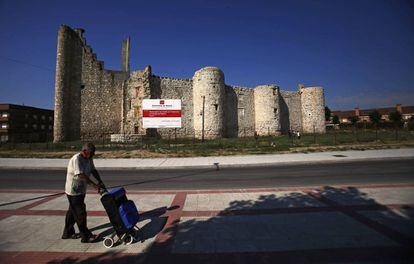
(361, 52)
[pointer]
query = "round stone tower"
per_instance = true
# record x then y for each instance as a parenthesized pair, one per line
(68, 85)
(266, 108)
(313, 109)
(208, 101)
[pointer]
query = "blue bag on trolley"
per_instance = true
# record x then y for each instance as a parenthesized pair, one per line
(129, 214)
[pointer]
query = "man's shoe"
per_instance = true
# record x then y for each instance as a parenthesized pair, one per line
(73, 236)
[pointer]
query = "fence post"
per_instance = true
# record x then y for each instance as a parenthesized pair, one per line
(169, 138)
(356, 134)
(396, 133)
(194, 141)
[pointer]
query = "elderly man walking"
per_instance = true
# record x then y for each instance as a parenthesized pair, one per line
(80, 168)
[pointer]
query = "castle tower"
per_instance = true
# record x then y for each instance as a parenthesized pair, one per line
(125, 55)
(313, 109)
(68, 84)
(208, 101)
(266, 108)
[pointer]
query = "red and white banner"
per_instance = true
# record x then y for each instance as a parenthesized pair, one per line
(161, 113)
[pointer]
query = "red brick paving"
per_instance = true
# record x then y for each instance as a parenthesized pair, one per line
(161, 248)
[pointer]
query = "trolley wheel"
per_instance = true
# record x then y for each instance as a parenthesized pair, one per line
(128, 239)
(108, 242)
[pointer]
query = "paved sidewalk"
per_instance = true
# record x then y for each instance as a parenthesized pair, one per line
(371, 223)
(222, 161)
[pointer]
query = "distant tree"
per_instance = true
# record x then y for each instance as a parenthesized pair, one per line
(327, 113)
(354, 119)
(335, 119)
(396, 118)
(375, 117)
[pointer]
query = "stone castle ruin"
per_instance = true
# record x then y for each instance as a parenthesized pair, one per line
(93, 102)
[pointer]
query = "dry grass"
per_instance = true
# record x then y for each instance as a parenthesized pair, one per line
(164, 153)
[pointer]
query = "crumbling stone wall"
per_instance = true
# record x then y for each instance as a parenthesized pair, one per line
(174, 88)
(137, 88)
(290, 112)
(239, 114)
(101, 98)
(88, 98)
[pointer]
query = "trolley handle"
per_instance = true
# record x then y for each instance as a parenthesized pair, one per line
(102, 188)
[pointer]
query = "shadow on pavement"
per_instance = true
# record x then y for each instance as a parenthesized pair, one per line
(149, 230)
(329, 225)
(32, 199)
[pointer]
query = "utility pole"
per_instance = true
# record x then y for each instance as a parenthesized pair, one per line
(202, 119)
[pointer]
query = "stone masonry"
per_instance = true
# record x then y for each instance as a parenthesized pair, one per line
(92, 102)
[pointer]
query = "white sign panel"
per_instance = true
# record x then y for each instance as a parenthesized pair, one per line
(161, 113)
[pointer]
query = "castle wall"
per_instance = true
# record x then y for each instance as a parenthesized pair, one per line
(68, 85)
(313, 110)
(267, 112)
(91, 102)
(102, 97)
(239, 113)
(290, 111)
(172, 88)
(137, 89)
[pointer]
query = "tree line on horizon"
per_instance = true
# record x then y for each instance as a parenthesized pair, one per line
(375, 117)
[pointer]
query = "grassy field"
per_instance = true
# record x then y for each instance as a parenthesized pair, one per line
(152, 147)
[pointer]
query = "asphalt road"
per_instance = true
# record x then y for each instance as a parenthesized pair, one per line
(353, 173)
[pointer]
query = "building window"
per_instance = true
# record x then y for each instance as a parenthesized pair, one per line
(42, 127)
(4, 114)
(50, 118)
(50, 127)
(26, 116)
(34, 126)
(35, 116)
(43, 117)
(4, 125)
(26, 125)
(4, 138)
